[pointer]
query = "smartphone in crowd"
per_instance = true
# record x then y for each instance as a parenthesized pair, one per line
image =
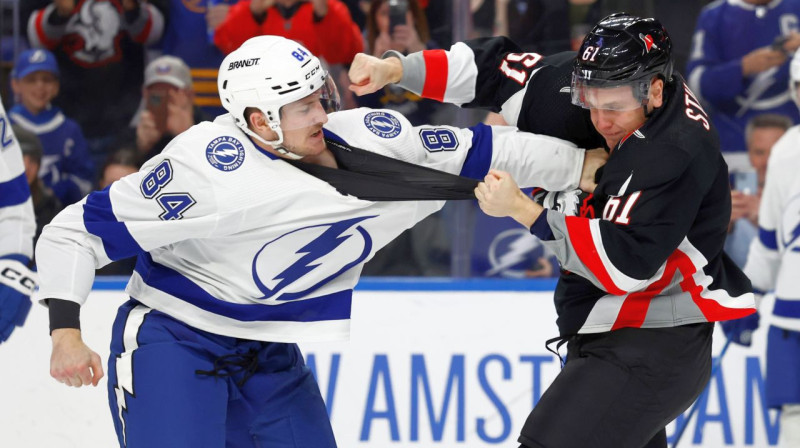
(745, 181)
(397, 13)
(157, 105)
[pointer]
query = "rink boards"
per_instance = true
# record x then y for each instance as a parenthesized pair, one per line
(434, 363)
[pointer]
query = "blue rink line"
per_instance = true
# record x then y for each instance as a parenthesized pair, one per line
(116, 283)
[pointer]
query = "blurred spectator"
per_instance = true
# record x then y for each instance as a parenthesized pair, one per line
(99, 45)
(323, 26)
(46, 204)
(406, 38)
(189, 35)
(738, 64)
(65, 165)
(540, 26)
(118, 165)
(167, 106)
(762, 132)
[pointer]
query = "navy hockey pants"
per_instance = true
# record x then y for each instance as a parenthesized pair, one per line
(174, 386)
(620, 389)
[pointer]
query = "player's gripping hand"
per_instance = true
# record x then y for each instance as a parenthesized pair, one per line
(369, 74)
(17, 282)
(740, 331)
(498, 195)
(72, 362)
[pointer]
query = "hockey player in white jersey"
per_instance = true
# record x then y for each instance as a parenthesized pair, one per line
(772, 265)
(242, 253)
(17, 226)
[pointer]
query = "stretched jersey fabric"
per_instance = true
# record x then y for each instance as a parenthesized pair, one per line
(66, 165)
(234, 241)
(17, 224)
(714, 69)
(774, 258)
(654, 258)
(531, 91)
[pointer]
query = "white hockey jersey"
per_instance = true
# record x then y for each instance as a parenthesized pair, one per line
(17, 223)
(234, 241)
(774, 259)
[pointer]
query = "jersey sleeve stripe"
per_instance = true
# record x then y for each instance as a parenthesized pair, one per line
(479, 157)
(435, 74)
(99, 219)
(768, 238)
(15, 191)
(333, 306)
(580, 235)
(786, 308)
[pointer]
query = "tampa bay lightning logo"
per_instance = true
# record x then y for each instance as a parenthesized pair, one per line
(225, 153)
(382, 124)
(300, 262)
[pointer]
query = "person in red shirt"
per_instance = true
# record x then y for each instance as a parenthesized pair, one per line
(312, 23)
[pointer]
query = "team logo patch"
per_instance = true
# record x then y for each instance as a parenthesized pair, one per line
(225, 153)
(383, 124)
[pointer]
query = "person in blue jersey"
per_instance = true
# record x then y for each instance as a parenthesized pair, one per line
(739, 77)
(17, 227)
(66, 166)
(250, 234)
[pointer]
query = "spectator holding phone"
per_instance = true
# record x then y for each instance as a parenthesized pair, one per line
(398, 25)
(737, 77)
(65, 165)
(761, 134)
(168, 98)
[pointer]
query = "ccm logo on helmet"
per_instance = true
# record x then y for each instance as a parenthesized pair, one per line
(243, 63)
(312, 72)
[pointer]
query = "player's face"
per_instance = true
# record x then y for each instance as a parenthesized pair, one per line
(610, 116)
(301, 123)
(616, 112)
(36, 90)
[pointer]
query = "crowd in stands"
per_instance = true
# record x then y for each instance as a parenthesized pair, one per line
(101, 86)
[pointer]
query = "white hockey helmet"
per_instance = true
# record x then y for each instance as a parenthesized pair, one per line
(267, 73)
(794, 77)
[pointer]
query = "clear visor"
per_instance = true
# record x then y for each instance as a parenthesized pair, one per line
(311, 110)
(620, 97)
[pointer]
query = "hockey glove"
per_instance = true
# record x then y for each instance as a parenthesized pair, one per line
(740, 331)
(17, 282)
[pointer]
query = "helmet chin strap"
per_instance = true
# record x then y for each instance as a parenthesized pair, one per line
(276, 144)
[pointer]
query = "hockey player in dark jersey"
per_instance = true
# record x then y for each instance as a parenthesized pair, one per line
(643, 282)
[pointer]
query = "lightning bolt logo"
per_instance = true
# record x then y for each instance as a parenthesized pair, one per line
(522, 243)
(124, 363)
(225, 153)
(382, 125)
(313, 261)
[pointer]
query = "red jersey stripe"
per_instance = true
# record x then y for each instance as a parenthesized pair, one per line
(711, 309)
(436, 74)
(46, 41)
(580, 235)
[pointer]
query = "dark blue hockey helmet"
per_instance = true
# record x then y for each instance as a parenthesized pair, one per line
(622, 50)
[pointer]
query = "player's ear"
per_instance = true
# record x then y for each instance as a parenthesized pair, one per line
(656, 92)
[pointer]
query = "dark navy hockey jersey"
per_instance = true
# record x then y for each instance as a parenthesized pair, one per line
(654, 257)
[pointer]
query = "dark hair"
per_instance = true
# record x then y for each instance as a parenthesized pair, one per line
(123, 156)
(420, 22)
(767, 121)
